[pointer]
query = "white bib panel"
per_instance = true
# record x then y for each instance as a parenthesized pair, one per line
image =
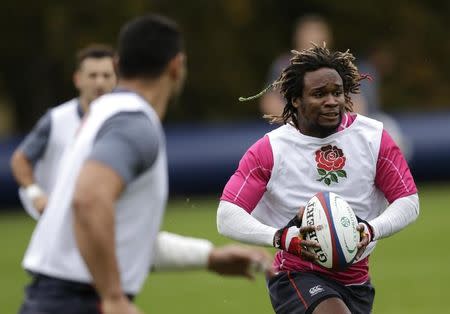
(53, 250)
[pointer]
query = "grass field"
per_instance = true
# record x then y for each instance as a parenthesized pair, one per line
(410, 270)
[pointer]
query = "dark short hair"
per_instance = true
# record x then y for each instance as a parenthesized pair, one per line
(96, 51)
(146, 45)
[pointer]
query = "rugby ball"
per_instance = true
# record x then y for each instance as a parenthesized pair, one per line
(335, 231)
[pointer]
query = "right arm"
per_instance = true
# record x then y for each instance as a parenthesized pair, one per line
(234, 222)
(97, 189)
(22, 168)
(241, 195)
(26, 155)
(99, 185)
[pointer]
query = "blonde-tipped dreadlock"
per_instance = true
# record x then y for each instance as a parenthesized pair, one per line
(291, 81)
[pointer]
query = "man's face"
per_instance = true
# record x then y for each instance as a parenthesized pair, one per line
(95, 77)
(321, 104)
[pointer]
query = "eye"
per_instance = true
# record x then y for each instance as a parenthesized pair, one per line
(337, 93)
(318, 94)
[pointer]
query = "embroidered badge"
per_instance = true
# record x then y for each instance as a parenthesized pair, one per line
(330, 161)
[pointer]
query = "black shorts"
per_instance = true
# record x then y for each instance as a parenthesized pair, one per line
(294, 292)
(51, 295)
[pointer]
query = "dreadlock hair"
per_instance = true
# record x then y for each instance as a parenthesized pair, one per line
(291, 81)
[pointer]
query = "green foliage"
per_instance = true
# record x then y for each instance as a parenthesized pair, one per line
(409, 270)
(230, 46)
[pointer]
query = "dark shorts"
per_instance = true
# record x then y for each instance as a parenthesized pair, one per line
(47, 295)
(300, 292)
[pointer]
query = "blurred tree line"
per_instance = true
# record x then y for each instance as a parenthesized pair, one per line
(230, 45)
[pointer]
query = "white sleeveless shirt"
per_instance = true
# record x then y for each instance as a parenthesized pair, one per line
(303, 166)
(65, 120)
(53, 250)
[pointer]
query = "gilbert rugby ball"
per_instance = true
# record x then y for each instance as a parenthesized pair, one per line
(335, 231)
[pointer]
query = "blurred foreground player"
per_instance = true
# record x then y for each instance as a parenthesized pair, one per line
(322, 146)
(35, 165)
(92, 248)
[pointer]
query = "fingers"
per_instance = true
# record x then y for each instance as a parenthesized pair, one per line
(310, 244)
(307, 250)
(365, 240)
(308, 256)
(40, 203)
(306, 229)
(262, 263)
(360, 253)
(365, 237)
(307, 246)
(243, 261)
(259, 266)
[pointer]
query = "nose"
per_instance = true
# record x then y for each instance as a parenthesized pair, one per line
(331, 100)
(100, 80)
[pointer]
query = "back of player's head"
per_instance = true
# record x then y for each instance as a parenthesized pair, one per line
(95, 51)
(146, 45)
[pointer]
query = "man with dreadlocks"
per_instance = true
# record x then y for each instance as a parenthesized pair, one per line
(321, 146)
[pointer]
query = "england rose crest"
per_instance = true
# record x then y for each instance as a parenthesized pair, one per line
(330, 163)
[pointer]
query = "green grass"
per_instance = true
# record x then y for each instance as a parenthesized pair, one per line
(410, 270)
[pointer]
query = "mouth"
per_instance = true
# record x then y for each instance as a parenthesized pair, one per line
(330, 115)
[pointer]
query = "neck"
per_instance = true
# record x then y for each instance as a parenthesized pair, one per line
(155, 92)
(84, 103)
(315, 130)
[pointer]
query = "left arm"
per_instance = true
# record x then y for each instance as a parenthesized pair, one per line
(176, 252)
(397, 216)
(394, 179)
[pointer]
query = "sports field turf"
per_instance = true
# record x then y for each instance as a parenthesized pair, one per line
(411, 270)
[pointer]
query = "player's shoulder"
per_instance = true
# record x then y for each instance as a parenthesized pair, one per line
(119, 101)
(367, 122)
(68, 109)
(282, 130)
(72, 103)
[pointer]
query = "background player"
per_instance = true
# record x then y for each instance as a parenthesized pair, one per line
(35, 162)
(307, 30)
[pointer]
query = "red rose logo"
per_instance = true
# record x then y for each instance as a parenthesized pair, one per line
(330, 158)
(330, 161)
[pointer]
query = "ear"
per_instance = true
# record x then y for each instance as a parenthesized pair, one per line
(76, 79)
(176, 66)
(116, 65)
(296, 102)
